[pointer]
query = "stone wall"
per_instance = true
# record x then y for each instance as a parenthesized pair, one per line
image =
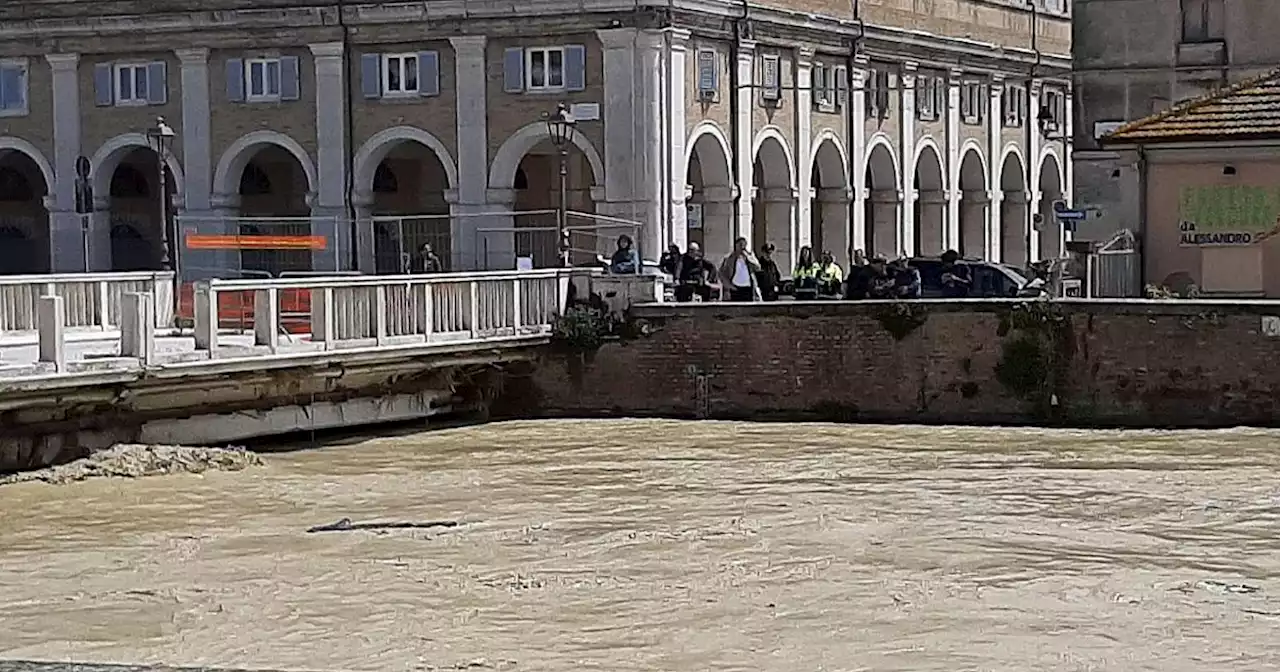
(1132, 363)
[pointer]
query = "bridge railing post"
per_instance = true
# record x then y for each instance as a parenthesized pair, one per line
(206, 317)
(266, 318)
(517, 315)
(322, 317)
(51, 323)
(138, 327)
(473, 317)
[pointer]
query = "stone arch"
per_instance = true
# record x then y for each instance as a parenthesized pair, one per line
(376, 148)
(226, 177)
(103, 163)
(774, 198)
(771, 171)
(829, 209)
(884, 199)
(710, 190)
(930, 204)
(1049, 152)
(1049, 188)
(506, 161)
(1014, 223)
(36, 156)
(712, 130)
(971, 176)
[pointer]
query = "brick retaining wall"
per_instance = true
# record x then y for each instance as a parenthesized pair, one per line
(1120, 363)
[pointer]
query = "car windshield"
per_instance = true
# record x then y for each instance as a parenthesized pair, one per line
(1017, 275)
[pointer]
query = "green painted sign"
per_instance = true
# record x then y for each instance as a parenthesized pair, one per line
(1228, 215)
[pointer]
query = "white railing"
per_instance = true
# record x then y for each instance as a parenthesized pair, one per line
(391, 310)
(89, 299)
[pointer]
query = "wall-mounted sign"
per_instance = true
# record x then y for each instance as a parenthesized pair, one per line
(694, 217)
(585, 111)
(1223, 215)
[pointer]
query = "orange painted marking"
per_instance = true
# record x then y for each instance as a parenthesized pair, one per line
(233, 242)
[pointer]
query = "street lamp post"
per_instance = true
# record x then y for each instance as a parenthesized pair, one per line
(560, 127)
(161, 139)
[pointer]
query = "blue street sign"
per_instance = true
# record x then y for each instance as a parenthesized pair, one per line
(1071, 215)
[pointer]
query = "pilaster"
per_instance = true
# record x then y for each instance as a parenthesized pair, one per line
(648, 194)
(66, 237)
(472, 111)
(1035, 141)
(953, 222)
(1068, 160)
(675, 138)
(995, 148)
(742, 153)
(622, 164)
(802, 232)
(197, 162)
(330, 203)
(907, 155)
(858, 149)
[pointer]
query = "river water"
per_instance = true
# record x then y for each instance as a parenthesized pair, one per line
(670, 547)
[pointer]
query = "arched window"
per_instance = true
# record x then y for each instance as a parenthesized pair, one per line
(254, 181)
(14, 186)
(129, 182)
(384, 180)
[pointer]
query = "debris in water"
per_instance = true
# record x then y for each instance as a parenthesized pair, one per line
(129, 460)
(345, 525)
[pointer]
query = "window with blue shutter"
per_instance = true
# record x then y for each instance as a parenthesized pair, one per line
(13, 88)
(103, 85)
(290, 78)
(842, 85)
(708, 75)
(575, 67)
(429, 73)
(131, 83)
(158, 83)
(537, 69)
(235, 80)
(513, 70)
(371, 75)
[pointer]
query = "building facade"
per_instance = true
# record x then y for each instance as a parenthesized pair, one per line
(1134, 58)
(877, 126)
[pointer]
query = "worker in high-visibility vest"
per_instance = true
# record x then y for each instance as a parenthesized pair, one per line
(805, 276)
(830, 277)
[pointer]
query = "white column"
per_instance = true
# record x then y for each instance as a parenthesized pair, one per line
(676, 134)
(953, 161)
(1032, 169)
(802, 231)
(907, 156)
(66, 238)
(329, 205)
(197, 161)
(746, 135)
(648, 191)
(622, 164)
(857, 150)
(993, 160)
(470, 84)
(1068, 142)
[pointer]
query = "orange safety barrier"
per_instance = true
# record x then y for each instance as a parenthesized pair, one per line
(235, 309)
(200, 241)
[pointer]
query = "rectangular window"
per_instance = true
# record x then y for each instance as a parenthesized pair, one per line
(1202, 20)
(1054, 105)
(1015, 106)
(262, 79)
(707, 73)
(877, 94)
(771, 78)
(824, 89)
(971, 103)
(399, 74)
(13, 88)
(131, 84)
(926, 109)
(544, 68)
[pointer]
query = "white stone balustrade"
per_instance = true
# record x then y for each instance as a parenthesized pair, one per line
(372, 311)
(90, 300)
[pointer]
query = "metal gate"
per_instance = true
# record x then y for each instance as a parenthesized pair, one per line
(1115, 267)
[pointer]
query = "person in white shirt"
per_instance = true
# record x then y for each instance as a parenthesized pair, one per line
(738, 273)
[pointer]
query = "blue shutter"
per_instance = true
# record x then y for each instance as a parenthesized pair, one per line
(235, 80)
(12, 90)
(371, 75)
(157, 83)
(575, 67)
(289, 82)
(104, 92)
(429, 73)
(513, 70)
(842, 85)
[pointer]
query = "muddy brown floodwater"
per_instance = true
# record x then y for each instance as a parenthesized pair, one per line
(670, 547)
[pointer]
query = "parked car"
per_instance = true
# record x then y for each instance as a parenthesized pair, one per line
(991, 279)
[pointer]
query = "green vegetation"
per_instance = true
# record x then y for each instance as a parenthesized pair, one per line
(901, 318)
(1036, 352)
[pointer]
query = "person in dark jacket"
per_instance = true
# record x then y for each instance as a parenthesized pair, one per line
(957, 277)
(426, 260)
(625, 260)
(695, 276)
(670, 259)
(768, 278)
(906, 280)
(880, 282)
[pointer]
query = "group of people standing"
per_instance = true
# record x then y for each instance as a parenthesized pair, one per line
(746, 276)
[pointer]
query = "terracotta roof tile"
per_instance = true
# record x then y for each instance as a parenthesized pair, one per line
(1246, 110)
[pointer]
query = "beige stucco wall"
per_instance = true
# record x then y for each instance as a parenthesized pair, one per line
(1235, 270)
